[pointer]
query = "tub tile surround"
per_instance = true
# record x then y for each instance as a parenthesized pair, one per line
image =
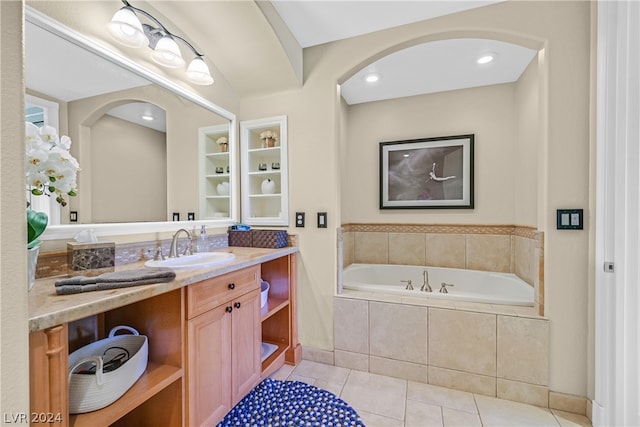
(496, 353)
(500, 248)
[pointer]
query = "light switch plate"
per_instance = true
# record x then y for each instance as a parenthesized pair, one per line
(569, 219)
(322, 220)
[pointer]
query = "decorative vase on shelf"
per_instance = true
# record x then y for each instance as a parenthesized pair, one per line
(223, 188)
(32, 262)
(268, 186)
(224, 148)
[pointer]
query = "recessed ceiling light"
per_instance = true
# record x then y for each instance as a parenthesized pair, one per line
(372, 77)
(405, 155)
(147, 117)
(486, 58)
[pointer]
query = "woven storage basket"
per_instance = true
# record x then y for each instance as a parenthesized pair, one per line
(269, 238)
(90, 392)
(240, 238)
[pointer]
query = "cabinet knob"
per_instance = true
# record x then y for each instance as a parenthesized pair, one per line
(229, 309)
(236, 305)
(232, 285)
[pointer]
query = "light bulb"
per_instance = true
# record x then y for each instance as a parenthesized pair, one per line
(167, 53)
(125, 27)
(198, 72)
(485, 59)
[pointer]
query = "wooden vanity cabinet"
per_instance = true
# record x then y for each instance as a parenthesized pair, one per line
(204, 349)
(222, 344)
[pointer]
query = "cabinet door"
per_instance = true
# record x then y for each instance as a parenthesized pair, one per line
(246, 343)
(209, 367)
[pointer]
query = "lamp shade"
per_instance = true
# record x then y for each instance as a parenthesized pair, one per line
(125, 27)
(167, 53)
(198, 72)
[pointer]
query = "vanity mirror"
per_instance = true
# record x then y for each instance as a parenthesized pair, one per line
(123, 188)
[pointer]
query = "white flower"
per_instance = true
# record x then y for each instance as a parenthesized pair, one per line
(49, 134)
(222, 140)
(268, 134)
(51, 169)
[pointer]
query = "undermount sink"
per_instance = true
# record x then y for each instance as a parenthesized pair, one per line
(199, 260)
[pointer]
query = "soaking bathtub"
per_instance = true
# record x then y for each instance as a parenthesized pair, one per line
(466, 285)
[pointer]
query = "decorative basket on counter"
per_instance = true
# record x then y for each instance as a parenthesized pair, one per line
(101, 372)
(273, 239)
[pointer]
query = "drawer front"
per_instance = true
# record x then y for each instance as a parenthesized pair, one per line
(208, 294)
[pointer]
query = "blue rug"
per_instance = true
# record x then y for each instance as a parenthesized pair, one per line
(276, 403)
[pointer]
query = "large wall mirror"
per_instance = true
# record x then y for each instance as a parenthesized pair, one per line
(135, 173)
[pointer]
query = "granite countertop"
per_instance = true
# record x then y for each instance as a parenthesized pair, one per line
(46, 309)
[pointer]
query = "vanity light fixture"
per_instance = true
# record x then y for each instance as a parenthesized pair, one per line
(486, 58)
(126, 28)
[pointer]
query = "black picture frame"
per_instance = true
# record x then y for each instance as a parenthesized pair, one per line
(427, 173)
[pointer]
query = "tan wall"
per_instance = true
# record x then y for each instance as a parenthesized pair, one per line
(527, 146)
(130, 161)
(488, 112)
(14, 346)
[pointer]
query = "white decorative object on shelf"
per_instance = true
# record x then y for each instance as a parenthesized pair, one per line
(268, 186)
(223, 188)
(264, 167)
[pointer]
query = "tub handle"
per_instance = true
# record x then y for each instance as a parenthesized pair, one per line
(443, 288)
(409, 285)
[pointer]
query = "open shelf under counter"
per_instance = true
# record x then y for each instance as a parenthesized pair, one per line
(275, 360)
(151, 383)
(273, 306)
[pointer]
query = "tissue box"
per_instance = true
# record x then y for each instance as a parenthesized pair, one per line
(100, 256)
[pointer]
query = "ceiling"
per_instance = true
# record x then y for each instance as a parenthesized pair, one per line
(427, 68)
(315, 22)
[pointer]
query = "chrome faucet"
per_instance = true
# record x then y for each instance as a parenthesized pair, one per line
(173, 252)
(425, 282)
(408, 282)
(443, 289)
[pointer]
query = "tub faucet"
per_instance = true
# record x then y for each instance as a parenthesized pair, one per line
(173, 252)
(443, 289)
(408, 282)
(425, 282)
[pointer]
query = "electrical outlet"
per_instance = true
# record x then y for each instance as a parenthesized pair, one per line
(300, 219)
(191, 216)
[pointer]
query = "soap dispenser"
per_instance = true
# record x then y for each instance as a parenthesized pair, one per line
(202, 245)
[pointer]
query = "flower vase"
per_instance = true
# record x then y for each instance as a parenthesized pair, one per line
(268, 143)
(32, 262)
(224, 148)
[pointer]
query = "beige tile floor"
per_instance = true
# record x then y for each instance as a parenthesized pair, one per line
(384, 401)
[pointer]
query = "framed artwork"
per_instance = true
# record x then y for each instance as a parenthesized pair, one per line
(427, 173)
